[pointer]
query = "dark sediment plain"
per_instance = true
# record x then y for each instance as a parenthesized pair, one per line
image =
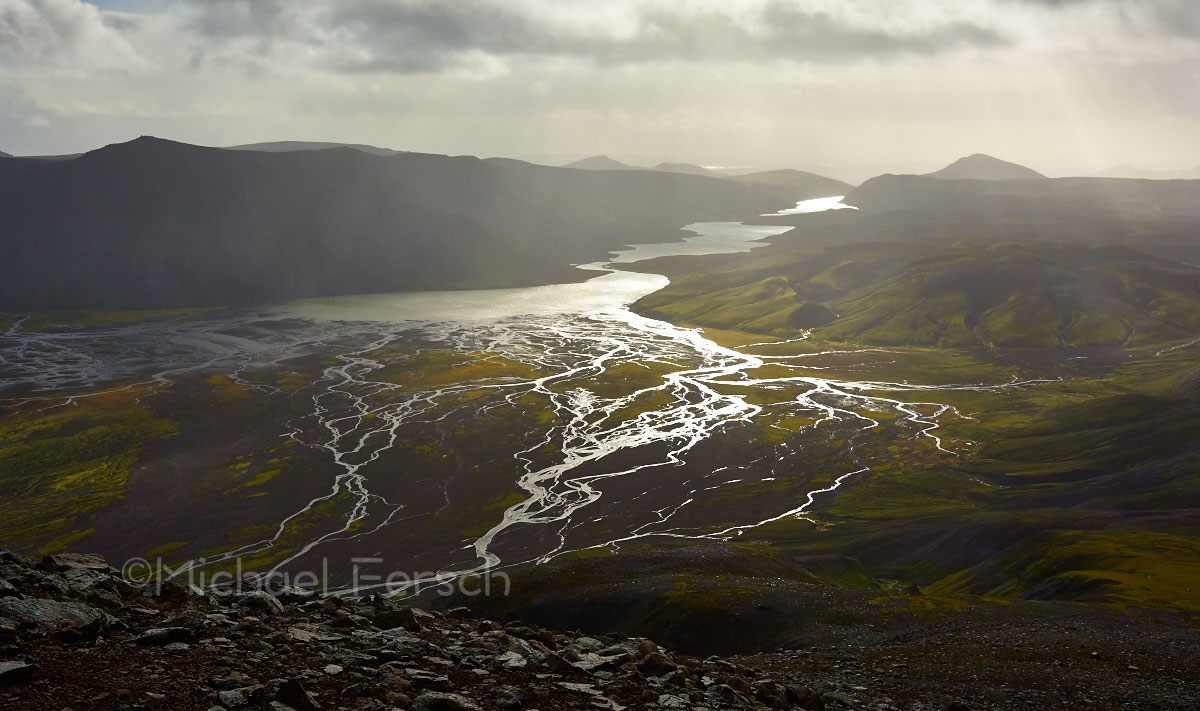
(950, 435)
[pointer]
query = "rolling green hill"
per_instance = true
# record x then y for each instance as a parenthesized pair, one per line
(928, 262)
(1002, 295)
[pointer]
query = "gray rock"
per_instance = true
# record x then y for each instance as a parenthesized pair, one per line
(510, 698)
(587, 644)
(576, 688)
(511, 660)
(439, 701)
(8, 631)
(428, 680)
(55, 583)
(97, 585)
(69, 561)
(293, 693)
(656, 664)
(389, 618)
(240, 698)
(645, 648)
(7, 589)
(771, 694)
(556, 663)
(836, 697)
(16, 672)
(724, 695)
(261, 601)
(45, 617)
(162, 636)
(291, 593)
(805, 698)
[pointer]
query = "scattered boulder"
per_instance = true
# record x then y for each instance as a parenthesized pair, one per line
(724, 695)
(71, 561)
(240, 698)
(50, 617)
(389, 618)
(510, 698)
(805, 698)
(261, 601)
(16, 672)
(439, 701)
(771, 694)
(293, 694)
(162, 636)
(645, 648)
(656, 664)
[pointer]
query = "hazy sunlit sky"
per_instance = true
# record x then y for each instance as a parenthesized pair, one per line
(1063, 86)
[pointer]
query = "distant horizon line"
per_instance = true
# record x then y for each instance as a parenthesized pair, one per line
(631, 159)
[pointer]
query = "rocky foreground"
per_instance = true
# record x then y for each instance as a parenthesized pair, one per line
(75, 635)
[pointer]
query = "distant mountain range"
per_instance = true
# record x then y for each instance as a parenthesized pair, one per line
(687, 169)
(600, 163)
(794, 185)
(790, 185)
(984, 167)
(1128, 171)
(286, 146)
(5, 155)
(1063, 262)
(154, 223)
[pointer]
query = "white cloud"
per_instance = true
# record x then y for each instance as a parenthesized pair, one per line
(63, 33)
(797, 82)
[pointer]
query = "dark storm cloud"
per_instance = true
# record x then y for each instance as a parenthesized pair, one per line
(422, 36)
(1174, 18)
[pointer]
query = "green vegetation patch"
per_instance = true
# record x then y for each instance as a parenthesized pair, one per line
(435, 369)
(61, 465)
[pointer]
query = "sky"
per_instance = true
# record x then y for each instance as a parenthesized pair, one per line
(849, 87)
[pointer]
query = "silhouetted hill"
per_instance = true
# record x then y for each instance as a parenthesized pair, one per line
(285, 146)
(5, 155)
(686, 169)
(984, 167)
(794, 185)
(1088, 199)
(600, 163)
(154, 223)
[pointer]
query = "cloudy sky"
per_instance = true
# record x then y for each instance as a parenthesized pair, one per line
(851, 86)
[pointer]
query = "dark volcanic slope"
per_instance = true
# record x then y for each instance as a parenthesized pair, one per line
(794, 185)
(286, 146)
(600, 163)
(984, 167)
(686, 169)
(154, 223)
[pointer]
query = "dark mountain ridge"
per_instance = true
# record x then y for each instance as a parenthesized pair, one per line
(286, 146)
(984, 167)
(600, 163)
(154, 223)
(794, 185)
